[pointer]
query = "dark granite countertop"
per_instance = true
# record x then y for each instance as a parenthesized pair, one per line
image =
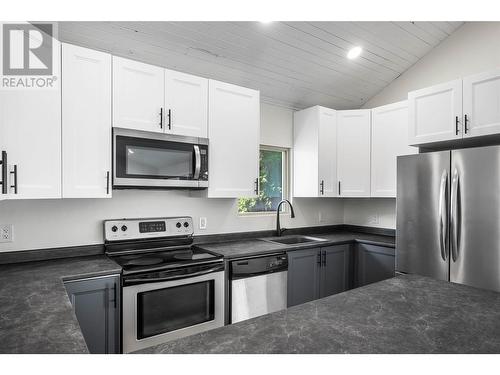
(405, 314)
(250, 247)
(35, 312)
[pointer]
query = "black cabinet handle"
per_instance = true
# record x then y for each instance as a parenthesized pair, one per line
(465, 123)
(339, 188)
(3, 163)
(322, 187)
(107, 182)
(169, 119)
(256, 186)
(14, 172)
(319, 258)
(161, 118)
(456, 125)
(324, 258)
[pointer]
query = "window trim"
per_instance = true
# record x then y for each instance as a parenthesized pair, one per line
(285, 178)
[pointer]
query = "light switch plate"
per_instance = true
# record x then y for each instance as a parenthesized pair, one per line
(203, 223)
(6, 233)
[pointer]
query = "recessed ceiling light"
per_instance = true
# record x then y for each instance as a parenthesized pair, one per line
(354, 52)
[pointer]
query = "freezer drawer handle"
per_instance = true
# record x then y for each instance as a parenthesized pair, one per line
(443, 219)
(454, 216)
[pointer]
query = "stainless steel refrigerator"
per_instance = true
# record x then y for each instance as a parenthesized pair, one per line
(448, 216)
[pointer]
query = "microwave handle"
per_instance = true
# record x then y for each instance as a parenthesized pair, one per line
(197, 162)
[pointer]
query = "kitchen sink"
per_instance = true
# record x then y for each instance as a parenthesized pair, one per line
(293, 240)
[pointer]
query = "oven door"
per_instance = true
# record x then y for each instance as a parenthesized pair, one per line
(155, 313)
(143, 159)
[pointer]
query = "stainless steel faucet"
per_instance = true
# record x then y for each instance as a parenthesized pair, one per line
(279, 231)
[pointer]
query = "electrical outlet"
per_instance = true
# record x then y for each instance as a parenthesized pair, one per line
(6, 233)
(203, 223)
(373, 219)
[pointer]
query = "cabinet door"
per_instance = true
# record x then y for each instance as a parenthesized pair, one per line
(97, 308)
(327, 153)
(482, 104)
(138, 95)
(435, 113)
(86, 123)
(334, 272)
(353, 153)
(186, 104)
(303, 276)
(374, 263)
(30, 125)
(389, 140)
(234, 128)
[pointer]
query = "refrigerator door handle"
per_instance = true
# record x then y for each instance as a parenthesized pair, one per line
(453, 215)
(443, 216)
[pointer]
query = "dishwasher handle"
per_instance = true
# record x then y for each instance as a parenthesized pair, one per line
(257, 266)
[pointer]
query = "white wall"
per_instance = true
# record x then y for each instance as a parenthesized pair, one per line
(72, 222)
(471, 49)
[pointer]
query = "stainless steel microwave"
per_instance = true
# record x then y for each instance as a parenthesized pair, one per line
(156, 160)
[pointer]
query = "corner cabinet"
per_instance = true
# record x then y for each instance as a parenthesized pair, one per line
(373, 263)
(86, 123)
(353, 152)
(317, 273)
(435, 113)
(234, 133)
(96, 302)
(30, 131)
(389, 139)
(315, 152)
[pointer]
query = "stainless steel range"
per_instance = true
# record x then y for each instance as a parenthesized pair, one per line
(170, 287)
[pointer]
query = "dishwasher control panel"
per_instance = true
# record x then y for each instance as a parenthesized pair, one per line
(259, 265)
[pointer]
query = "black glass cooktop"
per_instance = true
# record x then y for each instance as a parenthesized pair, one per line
(167, 258)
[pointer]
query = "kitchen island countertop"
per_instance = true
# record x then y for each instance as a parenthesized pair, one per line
(405, 314)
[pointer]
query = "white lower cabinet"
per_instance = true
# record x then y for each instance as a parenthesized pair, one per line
(481, 104)
(353, 153)
(315, 153)
(86, 123)
(30, 127)
(234, 133)
(389, 139)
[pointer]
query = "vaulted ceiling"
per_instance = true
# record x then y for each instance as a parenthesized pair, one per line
(294, 64)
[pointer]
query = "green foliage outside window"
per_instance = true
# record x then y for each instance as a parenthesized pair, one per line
(270, 182)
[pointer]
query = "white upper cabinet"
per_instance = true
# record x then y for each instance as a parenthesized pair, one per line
(315, 156)
(435, 113)
(86, 123)
(186, 104)
(481, 100)
(30, 126)
(353, 153)
(138, 95)
(389, 140)
(234, 133)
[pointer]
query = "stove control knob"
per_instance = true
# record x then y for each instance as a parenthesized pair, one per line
(124, 228)
(186, 224)
(114, 228)
(178, 225)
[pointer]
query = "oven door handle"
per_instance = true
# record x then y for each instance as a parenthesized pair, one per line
(197, 162)
(219, 267)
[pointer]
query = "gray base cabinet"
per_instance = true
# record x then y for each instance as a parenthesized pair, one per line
(97, 307)
(373, 263)
(317, 273)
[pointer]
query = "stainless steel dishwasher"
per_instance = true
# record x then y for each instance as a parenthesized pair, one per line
(258, 286)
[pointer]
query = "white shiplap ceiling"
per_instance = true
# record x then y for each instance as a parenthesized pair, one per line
(293, 64)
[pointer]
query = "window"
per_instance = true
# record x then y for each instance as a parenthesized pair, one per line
(273, 183)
